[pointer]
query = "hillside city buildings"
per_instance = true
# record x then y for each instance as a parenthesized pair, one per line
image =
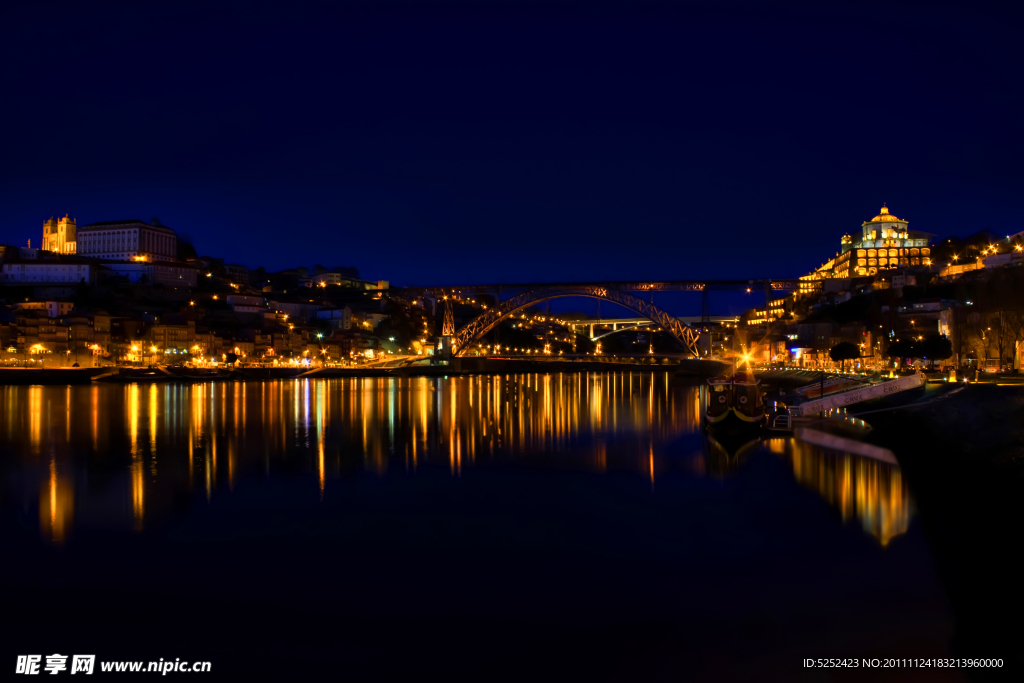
(130, 291)
(890, 282)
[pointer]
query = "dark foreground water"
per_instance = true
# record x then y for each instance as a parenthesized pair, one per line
(516, 527)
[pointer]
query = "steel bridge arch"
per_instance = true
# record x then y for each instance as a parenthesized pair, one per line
(486, 321)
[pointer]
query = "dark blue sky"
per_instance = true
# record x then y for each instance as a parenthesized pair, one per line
(459, 142)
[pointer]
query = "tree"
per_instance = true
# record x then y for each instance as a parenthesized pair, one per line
(960, 331)
(185, 249)
(1014, 322)
(936, 347)
(584, 344)
(346, 271)
(844, 351)
(900, 349)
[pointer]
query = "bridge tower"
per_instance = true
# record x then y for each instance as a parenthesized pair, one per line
(704, 343)
(447, 329)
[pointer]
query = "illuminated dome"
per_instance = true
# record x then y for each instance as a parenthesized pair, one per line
(884, 217)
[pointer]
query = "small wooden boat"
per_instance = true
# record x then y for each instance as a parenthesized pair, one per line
(734, 404)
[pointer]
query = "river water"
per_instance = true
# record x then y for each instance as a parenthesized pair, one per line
(576, 521)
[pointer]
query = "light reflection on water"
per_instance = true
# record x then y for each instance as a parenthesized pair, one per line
(118, 455)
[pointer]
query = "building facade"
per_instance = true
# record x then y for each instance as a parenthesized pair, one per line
(128, 240)
(54, 309)
(60, 235)
(140, 272)
(37, 272)
(885, 242)
(237, 273)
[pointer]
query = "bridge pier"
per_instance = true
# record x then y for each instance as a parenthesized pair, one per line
(704, 342)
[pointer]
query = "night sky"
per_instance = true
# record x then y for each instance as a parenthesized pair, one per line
(493, 142)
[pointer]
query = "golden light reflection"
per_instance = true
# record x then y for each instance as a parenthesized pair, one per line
(651, 461)
(94, 412)
(600, 422)
(138, 492)
(870, 491)
(320, 435)
(67, 415)
(154, 411)
(133, 417)
(136, 475)
(56, 506)
(35, 417)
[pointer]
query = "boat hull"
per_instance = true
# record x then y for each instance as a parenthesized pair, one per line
(733, 422)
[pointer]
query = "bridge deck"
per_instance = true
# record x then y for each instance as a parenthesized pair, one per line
(785, 284)
(641, 321)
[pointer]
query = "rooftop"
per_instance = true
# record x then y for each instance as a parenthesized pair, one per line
(127, 221)
(885, 217)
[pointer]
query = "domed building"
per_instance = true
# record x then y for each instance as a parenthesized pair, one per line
(885, 243)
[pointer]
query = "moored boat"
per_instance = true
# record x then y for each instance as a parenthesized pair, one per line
(734, 404)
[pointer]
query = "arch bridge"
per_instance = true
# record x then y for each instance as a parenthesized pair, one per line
(463, 339)
(616, 292)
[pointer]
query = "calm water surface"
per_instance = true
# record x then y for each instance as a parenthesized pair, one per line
(567, 515)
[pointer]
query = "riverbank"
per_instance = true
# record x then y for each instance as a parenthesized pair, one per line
(691, 367)
(49, 376)
(459, 366)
